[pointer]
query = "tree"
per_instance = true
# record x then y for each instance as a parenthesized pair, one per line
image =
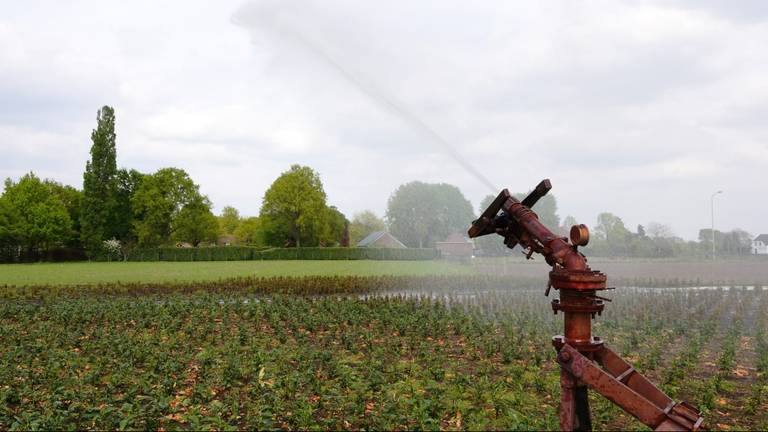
(735, 242)
(36, 215)
(658, 230)
(99, 183)
(738, 242)
(229, 220)
(364, 223)
(294, 210)
(610, 228)
(73, 202)
(336, 228)
(158, 201)
(121, 224)
(640, 231)
(195, 222)
(419, 214)
(249, 231)
(9, 235)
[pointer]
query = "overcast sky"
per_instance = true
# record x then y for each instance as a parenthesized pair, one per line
(641, 109)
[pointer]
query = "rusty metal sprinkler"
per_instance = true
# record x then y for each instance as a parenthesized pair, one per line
(585, 361)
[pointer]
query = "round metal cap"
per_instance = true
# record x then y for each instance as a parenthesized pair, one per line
(580, 235)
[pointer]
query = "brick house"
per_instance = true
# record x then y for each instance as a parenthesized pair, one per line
(456, 246)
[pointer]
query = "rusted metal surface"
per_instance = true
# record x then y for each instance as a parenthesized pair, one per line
(584, 359)
(567, 401)
(643, 401)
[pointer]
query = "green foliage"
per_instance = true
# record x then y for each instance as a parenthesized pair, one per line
(420, 214)
(610, 237)
(379, 353)
(8, 224)
(249, 232)
(229, 220)
(234, 253)
(294, 208)
(34, 214)
(99, 183)
(336, 228)
(189, 362)
(735, 242)
(195, 223)
(121, 224)
(364, 223)
(73, 201)
(158, 201)
(99, 273)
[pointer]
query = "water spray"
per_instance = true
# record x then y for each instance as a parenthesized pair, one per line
(372, 91)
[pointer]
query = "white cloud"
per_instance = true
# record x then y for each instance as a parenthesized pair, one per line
(637, 108)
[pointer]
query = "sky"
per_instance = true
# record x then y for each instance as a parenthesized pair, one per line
(641, 109)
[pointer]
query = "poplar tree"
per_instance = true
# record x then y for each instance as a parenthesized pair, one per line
(99, 183)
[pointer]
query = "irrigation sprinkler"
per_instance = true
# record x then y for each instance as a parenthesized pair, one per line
(585, 361)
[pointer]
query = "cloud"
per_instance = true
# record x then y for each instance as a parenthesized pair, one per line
(638, 108)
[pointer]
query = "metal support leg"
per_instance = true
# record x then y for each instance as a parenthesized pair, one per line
(567, 401)
(642, 401)
(574, 404)
(581, 397)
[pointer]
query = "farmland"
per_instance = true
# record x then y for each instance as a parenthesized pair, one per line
(461, 355)
(150, 272)
(627, 272)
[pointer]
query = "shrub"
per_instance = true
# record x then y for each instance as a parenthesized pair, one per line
(240, 253)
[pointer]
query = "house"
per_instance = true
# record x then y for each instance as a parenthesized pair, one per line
(456, 246)
(227, 240)
(381, 239)
(760, 245)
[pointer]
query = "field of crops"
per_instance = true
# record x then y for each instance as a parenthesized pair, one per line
(414, 353)
(155, 272)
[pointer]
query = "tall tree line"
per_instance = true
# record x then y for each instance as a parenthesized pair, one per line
(129, 208)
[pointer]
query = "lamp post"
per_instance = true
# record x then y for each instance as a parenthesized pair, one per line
(712, 207)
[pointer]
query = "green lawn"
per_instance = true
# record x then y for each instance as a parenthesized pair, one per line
(89, 273)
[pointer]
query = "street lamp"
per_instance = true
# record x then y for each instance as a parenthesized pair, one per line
(712, 207)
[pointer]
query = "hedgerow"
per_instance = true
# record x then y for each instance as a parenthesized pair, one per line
(237, 253)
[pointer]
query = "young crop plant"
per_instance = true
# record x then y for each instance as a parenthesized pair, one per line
(379, 352)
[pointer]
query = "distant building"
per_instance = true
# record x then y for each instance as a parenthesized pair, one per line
(456, 246)
(184, 245)
(227, 240)
(381, 239)
(760, 245)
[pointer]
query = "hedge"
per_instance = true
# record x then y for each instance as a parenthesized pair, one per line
(244, 253)
(16, 254)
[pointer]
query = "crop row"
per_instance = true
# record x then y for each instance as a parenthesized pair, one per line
(300, 285)
(470, 354)
(208, 361)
